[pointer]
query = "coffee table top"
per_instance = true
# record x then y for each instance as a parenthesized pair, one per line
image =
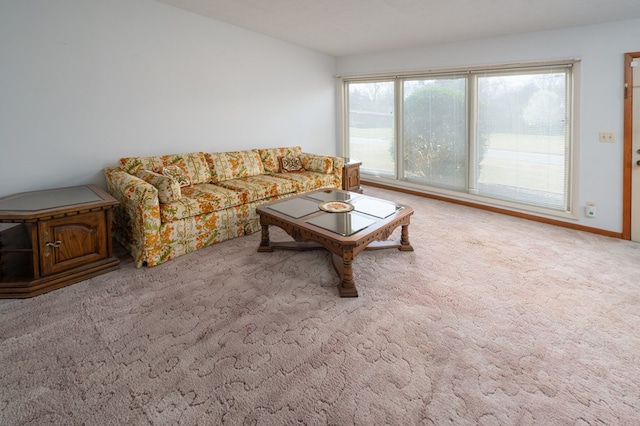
(343, 213)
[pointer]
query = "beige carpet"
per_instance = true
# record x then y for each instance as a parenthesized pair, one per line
(493, 320)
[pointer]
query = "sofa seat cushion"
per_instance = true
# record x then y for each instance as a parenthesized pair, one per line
(256, 188)
(308, 181)
(269, 157)
(194, 165)
(232, 165)
(200, 199)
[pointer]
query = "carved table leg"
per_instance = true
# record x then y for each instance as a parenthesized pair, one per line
(405, 245)
(264, 242)
(344, 267)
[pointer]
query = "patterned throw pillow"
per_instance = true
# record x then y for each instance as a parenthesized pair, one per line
(194, 165)
(168, 188)
(178, 174)
(317, 163)
(290, 164)
(269, 157)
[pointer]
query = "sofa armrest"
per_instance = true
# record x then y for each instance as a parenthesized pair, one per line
(328, 164)
(137, 218)
(338, 165)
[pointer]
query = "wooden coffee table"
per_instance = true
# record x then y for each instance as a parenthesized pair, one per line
(345, 223)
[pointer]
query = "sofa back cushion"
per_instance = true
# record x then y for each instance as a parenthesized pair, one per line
(193, 164)
(269, 157)
(234, 164)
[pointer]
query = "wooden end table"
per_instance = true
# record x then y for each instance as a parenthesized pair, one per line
(53, 238)
(345, 234)
(351, 175)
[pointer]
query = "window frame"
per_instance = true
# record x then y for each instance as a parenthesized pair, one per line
(472, 73)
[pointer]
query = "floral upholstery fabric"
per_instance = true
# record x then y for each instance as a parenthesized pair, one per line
(137, 217)
(155, 228)
(256, 188)
(251, 223)
(269, 157)
(322, 171)
(232, 165)
(178, 174)
(183, 236)
(317, 163)
(168, 188)
(308, 181)
(194, 164)
(338, 164)
(201, 199)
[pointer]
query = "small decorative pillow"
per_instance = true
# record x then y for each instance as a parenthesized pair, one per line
(176, 173)
(317, 163)
(168, 188)
(269, 157)
(290, 164)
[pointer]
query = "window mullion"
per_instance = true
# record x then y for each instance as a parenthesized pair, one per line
(473, 168)
(398, 134)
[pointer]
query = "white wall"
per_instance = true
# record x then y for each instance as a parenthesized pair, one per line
(600, 48)
(85, 82)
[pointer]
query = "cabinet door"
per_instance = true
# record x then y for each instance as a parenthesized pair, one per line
(72, 241)
(354, 178)
(351, 177)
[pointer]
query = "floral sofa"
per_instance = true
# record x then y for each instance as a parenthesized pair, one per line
(171, 205)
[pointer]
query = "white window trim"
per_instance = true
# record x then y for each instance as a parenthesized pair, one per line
(573, 208)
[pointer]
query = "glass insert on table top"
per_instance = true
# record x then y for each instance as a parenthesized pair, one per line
(48, 199)
(331, 195)
(375, 207)
(344, 224)
(296, 207)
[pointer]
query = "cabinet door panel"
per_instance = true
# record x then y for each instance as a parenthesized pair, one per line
(351, 177)
(354, 179)
(71, 241)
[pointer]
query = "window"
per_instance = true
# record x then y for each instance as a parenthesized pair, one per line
(494, 134)
(434, 132)
(371, 126)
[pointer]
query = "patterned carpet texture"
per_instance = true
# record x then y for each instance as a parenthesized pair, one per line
(492, 320)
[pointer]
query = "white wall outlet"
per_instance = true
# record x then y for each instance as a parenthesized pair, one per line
(607, 137)
(590, 209)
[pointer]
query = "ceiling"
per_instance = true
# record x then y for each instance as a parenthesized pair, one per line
(351, 27)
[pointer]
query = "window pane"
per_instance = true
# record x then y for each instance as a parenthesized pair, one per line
(522, 138)
(435, 132)
(371, 127)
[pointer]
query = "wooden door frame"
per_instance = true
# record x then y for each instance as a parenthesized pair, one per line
(628, 144)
